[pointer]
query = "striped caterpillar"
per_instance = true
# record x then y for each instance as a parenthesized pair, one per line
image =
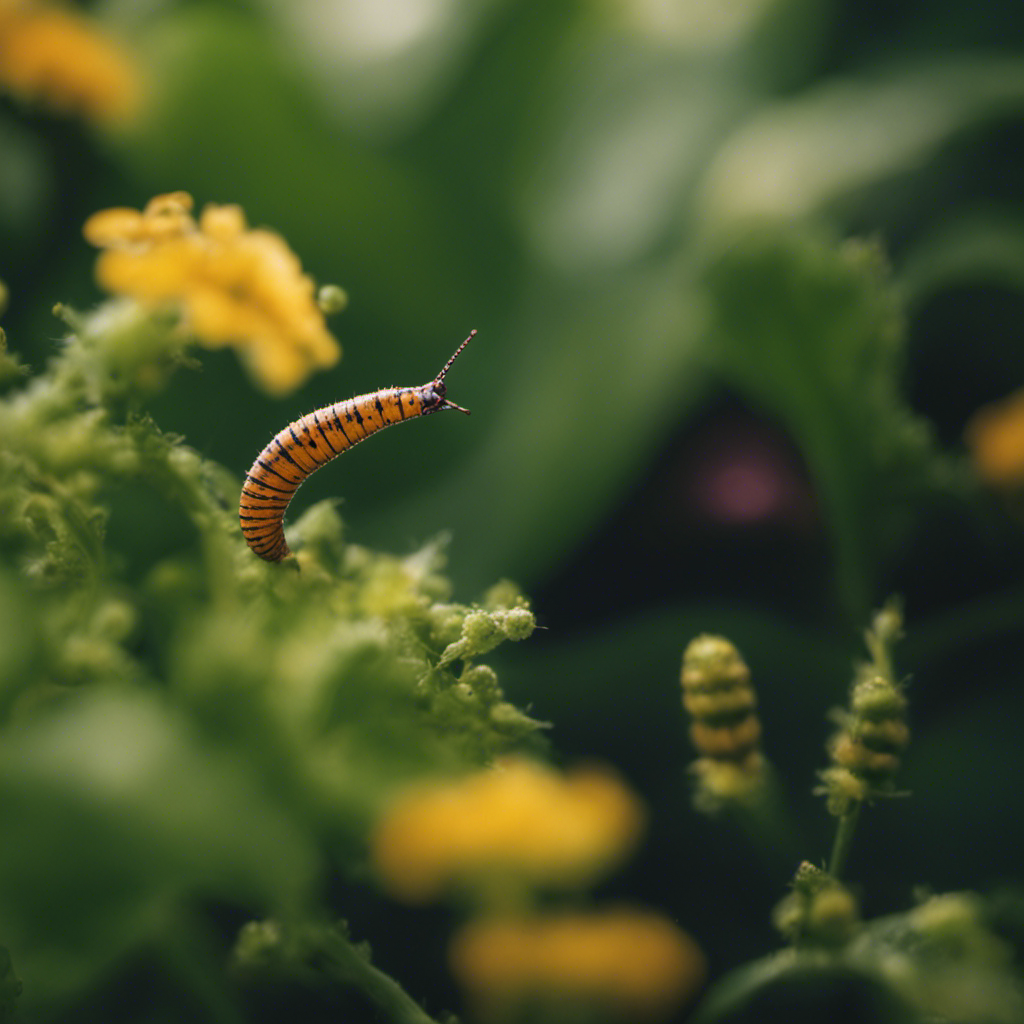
(311, 442)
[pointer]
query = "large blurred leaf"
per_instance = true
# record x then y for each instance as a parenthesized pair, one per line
(800, 155)
(985, 247)
(813, 332)
(113, 812)
(568, 429)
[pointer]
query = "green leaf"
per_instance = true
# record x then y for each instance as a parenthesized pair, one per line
(813, 332)
(114, 813)
(982, 247)
(802, 988)
(801, 155)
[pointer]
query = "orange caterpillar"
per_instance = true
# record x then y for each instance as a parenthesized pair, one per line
(311, 442)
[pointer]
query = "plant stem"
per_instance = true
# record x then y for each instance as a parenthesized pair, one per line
(346, 964)
(843, 841)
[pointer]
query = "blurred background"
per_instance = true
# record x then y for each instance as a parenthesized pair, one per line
(587, 183)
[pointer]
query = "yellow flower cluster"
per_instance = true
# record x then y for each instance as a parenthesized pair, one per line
(60, 59)
(995, 436)
(236, 286)
(636, 963)
(517, 821)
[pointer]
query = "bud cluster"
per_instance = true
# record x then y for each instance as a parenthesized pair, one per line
(873, 732)
(818, 912)
(725, 730)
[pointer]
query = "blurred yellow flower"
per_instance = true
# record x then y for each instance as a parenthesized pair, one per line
(632, 963)
(995, 436)
(63, 60)
(517, 821)
(236, 286)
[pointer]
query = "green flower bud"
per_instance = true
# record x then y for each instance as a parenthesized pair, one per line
(482, 632)
(517, 623)
(718, 694)
(725, 730)
(818, 912)
(832, 917)
(713, 663)
(331, 299)
(877, 698)
(483, 680)
(873, 734)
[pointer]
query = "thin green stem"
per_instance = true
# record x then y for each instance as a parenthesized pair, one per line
(346, 964)
(317, 951)
(843, 841)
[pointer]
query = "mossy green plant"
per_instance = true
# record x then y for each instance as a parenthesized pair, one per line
(229, 727)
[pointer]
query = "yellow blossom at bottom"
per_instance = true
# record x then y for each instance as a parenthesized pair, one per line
(235, 285)
(995, 436)
(634, 962)
(54, 56)
(520, 821)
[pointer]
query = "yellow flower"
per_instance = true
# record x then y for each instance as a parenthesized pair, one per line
(517, 821)
(631, 962)
(59, 58)
(995, 435)
(236, 286)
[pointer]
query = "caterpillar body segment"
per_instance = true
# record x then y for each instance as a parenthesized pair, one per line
(314, 440)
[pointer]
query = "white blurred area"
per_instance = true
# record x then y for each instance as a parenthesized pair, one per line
(381, 65)
(692, 24)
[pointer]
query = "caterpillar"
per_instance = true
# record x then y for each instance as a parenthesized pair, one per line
(307, 444)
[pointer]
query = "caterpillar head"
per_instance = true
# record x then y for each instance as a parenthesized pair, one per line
(433, 394)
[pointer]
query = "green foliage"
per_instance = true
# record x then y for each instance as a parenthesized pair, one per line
(940, 960)
(653, 212)
(814, 333)
(213, 725)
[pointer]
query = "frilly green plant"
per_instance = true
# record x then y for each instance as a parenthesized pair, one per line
(204, 722)
(940, 961)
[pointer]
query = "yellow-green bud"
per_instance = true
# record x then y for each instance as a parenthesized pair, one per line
(725, 730)
(331, 299)
(718, 694)
(481, 632)
(832, 918)
(819, 911)
(873, 733)
(877, 698)
(712, 663)
(517, 623)
(482, 679)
